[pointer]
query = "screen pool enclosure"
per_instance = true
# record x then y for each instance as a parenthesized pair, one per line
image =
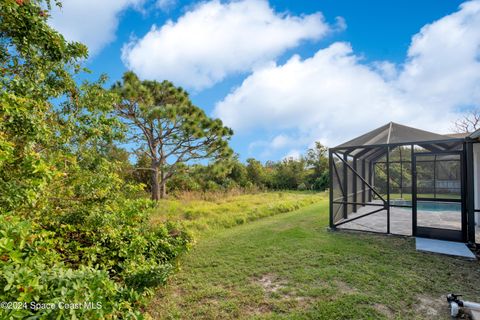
(401, 180)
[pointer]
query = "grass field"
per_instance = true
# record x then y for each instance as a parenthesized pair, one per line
(222, 211)
(290, 267)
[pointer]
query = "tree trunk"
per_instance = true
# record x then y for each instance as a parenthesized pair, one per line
(163, 186)
(155, 184)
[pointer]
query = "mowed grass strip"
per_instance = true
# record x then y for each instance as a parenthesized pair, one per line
(201, 216)
(290, 267)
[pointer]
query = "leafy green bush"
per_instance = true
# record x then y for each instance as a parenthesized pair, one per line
(32, 272)
(70, 230)
(302, 187)
(112, 266)
(321, 183)
(84, 240)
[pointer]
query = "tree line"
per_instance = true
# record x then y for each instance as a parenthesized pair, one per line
(308, 172)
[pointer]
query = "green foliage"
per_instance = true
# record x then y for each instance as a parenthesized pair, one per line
(302, 187)
(288, 174)
(256, 173)
(306, 173)
(317, 158)
(33, 272)
(70, 230)
(34, 67)
(111, 258)
(321, 182)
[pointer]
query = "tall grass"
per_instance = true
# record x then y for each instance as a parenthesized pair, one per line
(217, 211)
(214, 195)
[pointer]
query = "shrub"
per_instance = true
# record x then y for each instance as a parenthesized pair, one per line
(302, 187)
(321, 183)
(211, 186)
(69, 229)
(33, 272)
(112, 260)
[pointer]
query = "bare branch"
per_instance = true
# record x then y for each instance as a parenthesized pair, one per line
(469, 123)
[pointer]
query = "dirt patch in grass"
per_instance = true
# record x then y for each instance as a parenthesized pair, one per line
(260, 309)
(303, 302)
(383, 309)
(432, 307)
(277, 290)
(344, 288)
(270, 283)
(177, 292)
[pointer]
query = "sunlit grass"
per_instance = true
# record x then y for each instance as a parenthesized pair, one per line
(200, 216)
(290, 266)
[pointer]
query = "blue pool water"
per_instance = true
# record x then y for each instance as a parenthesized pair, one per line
(430, 205)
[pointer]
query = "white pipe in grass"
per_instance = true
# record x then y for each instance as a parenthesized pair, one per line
(456, 304)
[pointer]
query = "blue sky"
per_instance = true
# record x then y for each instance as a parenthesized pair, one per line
(286, 73)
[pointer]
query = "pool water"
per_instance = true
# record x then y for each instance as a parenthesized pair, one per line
(430, 205)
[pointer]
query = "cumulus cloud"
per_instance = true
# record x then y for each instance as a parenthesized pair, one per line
(265, 148)
(443, 65)
(215, 39)
(331, 88)
(89, 21)
(334, 95)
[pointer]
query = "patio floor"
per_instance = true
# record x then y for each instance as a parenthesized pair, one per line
(401, 220)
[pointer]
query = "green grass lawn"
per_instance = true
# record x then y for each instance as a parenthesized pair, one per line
(290, 267)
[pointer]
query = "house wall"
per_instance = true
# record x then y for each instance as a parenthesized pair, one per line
(476, 180)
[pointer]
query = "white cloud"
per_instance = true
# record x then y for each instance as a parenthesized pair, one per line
(278, 142)
(443, 64)
(293, 154)
(215, 39)
(330, 88)
(386, 69)
(281, 141)
(340, 24)
(91, 22)
(333, 96)
(165, 5)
